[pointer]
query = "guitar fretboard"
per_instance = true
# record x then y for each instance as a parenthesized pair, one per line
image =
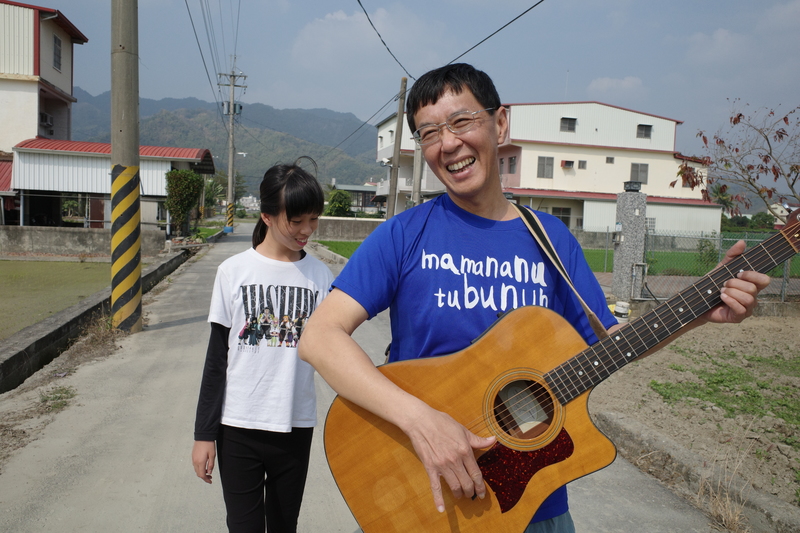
(599, 361)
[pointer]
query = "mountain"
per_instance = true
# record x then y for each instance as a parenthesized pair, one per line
(265, 134)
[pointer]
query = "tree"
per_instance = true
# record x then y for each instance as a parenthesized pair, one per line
(183, 194)
(762, 220)
(339, 203)
(214, 193)
(759, 152)
(719, 194)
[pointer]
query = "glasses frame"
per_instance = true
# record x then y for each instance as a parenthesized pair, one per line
(449, 126)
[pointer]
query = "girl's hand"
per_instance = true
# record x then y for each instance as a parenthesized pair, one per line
(203, 455)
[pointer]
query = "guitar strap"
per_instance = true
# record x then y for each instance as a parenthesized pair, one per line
(540, 235)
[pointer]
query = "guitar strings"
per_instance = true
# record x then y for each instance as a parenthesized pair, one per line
(762, 260)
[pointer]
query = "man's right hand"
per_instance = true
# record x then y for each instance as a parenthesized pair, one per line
(446, 449)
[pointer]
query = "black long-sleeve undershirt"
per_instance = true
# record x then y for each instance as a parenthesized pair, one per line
(212, 388)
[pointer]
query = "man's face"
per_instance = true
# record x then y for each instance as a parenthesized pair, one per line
(467, 163)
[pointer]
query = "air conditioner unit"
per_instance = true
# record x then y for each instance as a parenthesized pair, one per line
(45, 119)
(567, 164)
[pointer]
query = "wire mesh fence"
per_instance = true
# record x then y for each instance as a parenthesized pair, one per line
(677, 260)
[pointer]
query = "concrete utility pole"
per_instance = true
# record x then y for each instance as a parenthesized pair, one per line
(398, 137)
(232, 109)
(126, 242)
(629, 265)
(416, 184)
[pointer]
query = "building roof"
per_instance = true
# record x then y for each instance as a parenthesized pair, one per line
(201, 158)
(60, 19)
(576, 195)
(594, 103)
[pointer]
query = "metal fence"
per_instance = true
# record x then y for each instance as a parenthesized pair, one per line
(677, 260)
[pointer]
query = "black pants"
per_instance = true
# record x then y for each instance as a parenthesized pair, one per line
(263, 476)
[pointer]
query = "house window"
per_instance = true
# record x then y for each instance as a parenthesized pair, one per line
(639, 172)
(380, 141)
(579, 223)
(651, 224)
(563, 214)
(567, 164)
(545, 168)
(568, 124)
(581, 165)
(56, 53)
(512, 165)
(609, 160)
(644, 131)
(502, 164)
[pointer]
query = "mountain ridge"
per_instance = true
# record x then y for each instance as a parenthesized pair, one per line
(265, 134)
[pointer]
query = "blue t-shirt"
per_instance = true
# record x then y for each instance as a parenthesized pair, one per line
(446, 274)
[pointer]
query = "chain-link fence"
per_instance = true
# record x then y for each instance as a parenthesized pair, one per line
(677, 260)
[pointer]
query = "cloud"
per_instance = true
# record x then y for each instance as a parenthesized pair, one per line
(722, 49)
(627, 89)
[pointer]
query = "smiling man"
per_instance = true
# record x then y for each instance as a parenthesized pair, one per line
(446, 269)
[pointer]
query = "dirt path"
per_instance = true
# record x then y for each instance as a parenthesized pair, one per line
(750, 364)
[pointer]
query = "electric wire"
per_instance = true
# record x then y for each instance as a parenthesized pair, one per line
(384, 42)
(205, 66)
(496, 32)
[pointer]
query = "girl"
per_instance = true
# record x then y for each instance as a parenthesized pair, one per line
(257, 401)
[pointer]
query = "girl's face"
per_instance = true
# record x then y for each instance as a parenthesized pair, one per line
(285, 238)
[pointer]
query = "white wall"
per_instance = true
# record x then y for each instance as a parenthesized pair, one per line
(63, 78)
(16, 29)
(19, 104)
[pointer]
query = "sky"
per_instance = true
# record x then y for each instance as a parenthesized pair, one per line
(680, 59)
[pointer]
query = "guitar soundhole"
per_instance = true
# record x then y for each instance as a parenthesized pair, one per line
(523, 409)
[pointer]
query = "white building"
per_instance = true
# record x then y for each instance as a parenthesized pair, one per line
(571, 160)
(46, 171)
(36, 83)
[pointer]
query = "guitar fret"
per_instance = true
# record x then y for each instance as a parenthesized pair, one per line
(599, 361)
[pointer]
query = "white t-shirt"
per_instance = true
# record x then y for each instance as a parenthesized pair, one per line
(268, 387)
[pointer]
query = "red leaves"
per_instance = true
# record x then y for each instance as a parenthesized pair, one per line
(737, 118)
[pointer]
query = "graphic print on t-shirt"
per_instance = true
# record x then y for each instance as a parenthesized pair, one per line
(275, 315)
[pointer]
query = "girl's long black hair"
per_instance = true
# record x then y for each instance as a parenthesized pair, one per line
(288, 188)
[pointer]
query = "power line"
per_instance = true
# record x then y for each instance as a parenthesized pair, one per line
(496, 32)
(205, 65)
(384, 42)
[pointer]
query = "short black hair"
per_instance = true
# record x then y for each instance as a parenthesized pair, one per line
(456, 77)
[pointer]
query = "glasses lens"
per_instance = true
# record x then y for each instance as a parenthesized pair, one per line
(427, 135)
(461, 122)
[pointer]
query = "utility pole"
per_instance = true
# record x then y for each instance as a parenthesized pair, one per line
(232, 109)
(398, 137)
(126, 242)
(416, 183)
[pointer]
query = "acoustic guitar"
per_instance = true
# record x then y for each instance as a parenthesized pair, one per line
(539, 414)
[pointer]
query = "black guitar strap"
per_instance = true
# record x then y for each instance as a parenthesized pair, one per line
(536, 229)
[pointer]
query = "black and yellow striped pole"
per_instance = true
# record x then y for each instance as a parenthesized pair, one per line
(126, 246)
(126, 242)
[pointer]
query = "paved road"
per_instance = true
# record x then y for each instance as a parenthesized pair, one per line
(117, 460)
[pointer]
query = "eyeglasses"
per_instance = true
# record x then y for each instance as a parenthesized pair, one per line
(458, 123)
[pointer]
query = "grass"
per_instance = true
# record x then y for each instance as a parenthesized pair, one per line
(56, 399)
(343, 248)
(739, 385)
(35, 290)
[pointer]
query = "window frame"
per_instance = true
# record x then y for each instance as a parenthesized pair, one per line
(544, 166)
(637, 169)
(57, 51)
(568, 124)
(512, 164)
(644, 131)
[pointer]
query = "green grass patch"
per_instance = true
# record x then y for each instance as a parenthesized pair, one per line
(205, 233)
(54, 400)
(736, 387)
(343, 248)
(35, 290)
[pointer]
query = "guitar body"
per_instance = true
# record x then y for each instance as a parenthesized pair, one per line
(385, 484)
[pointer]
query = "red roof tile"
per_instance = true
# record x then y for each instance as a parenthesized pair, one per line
(5, 175)
(579, 195)
(55, 145)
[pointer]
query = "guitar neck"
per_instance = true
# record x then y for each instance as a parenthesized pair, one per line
(599, 361)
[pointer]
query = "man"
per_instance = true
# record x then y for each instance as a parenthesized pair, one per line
(447, 268)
